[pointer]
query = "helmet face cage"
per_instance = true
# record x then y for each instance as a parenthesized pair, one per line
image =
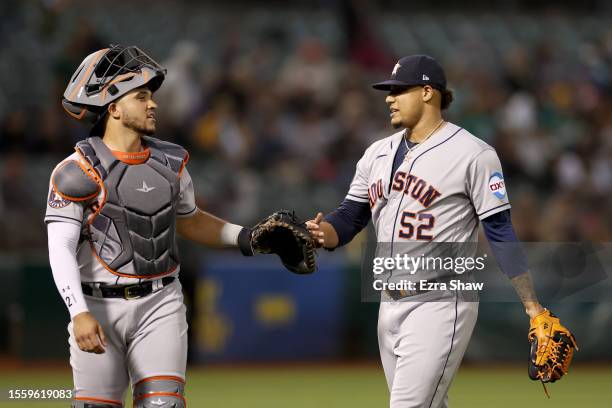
(105, 76)
(118, 60)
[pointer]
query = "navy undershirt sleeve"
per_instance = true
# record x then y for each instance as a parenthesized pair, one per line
(349, 219)
(505, 245)
(353, 216)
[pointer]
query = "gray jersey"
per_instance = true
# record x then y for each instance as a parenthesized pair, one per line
(62, 210)
(438, 193)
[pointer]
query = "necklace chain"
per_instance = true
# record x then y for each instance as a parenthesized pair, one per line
(423, 141)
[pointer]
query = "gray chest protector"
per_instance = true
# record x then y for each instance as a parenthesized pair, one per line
(133, 231)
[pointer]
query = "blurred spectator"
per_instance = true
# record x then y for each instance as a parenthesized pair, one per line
(277, 110)
(53, 137)
(14, 132)
(83, 41)
(310, 73)
(222, 130)
(180, 97)
(17, 204)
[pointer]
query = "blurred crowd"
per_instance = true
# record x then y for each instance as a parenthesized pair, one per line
(276, 109)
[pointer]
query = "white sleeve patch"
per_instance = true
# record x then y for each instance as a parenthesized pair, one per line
(487, 187)
(497, 186)
(56, 201)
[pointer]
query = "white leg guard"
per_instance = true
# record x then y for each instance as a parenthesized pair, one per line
(162, 391)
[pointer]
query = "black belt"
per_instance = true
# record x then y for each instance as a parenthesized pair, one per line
(124, 291)
(397, 294)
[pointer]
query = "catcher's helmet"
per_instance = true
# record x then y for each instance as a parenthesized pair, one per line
(107, 75)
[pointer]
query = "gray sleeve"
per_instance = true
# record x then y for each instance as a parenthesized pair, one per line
(187, 205)
(358, 190)
(486, 185)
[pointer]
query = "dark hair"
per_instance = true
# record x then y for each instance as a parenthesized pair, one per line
(447, 98)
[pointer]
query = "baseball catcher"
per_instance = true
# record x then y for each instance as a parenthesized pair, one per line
(552, 348)
(115, 207)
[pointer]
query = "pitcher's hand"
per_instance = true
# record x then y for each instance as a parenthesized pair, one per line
(313, 227)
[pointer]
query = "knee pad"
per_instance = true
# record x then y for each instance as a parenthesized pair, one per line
(161, 391)
(90, 402)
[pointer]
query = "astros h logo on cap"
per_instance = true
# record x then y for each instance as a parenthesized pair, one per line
(415, 70)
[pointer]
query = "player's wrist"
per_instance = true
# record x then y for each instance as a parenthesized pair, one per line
(244, 242)
(533, 309)
(79, 314)
(237, 236)
(332, 240)
(330, 246)
(229, 234)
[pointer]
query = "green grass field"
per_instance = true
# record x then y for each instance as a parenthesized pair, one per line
(355, 387)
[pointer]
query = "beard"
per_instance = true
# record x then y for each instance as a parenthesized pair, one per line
(140, 126)
(396, 123)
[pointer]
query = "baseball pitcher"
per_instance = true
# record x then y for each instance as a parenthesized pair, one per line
(431, 183)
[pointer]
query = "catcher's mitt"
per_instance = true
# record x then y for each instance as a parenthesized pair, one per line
(282, 233)
(552, 348)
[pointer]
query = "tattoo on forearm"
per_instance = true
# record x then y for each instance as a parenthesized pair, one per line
(524, 287)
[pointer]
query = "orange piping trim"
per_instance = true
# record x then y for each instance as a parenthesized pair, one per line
(161, 377)
(125, 156)
(67, 197)
(89, 68)
(132, 161)
(74, 115)
(77, 199)
(126, 275)
(95, 214)
(185, 160)
(92, 399)
(92, 172)
(119, 78)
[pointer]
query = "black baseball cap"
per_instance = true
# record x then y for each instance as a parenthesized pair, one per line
(415, 70)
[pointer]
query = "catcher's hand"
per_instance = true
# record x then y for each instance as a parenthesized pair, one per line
(552, 348)
(282, 233)
(88, 333)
